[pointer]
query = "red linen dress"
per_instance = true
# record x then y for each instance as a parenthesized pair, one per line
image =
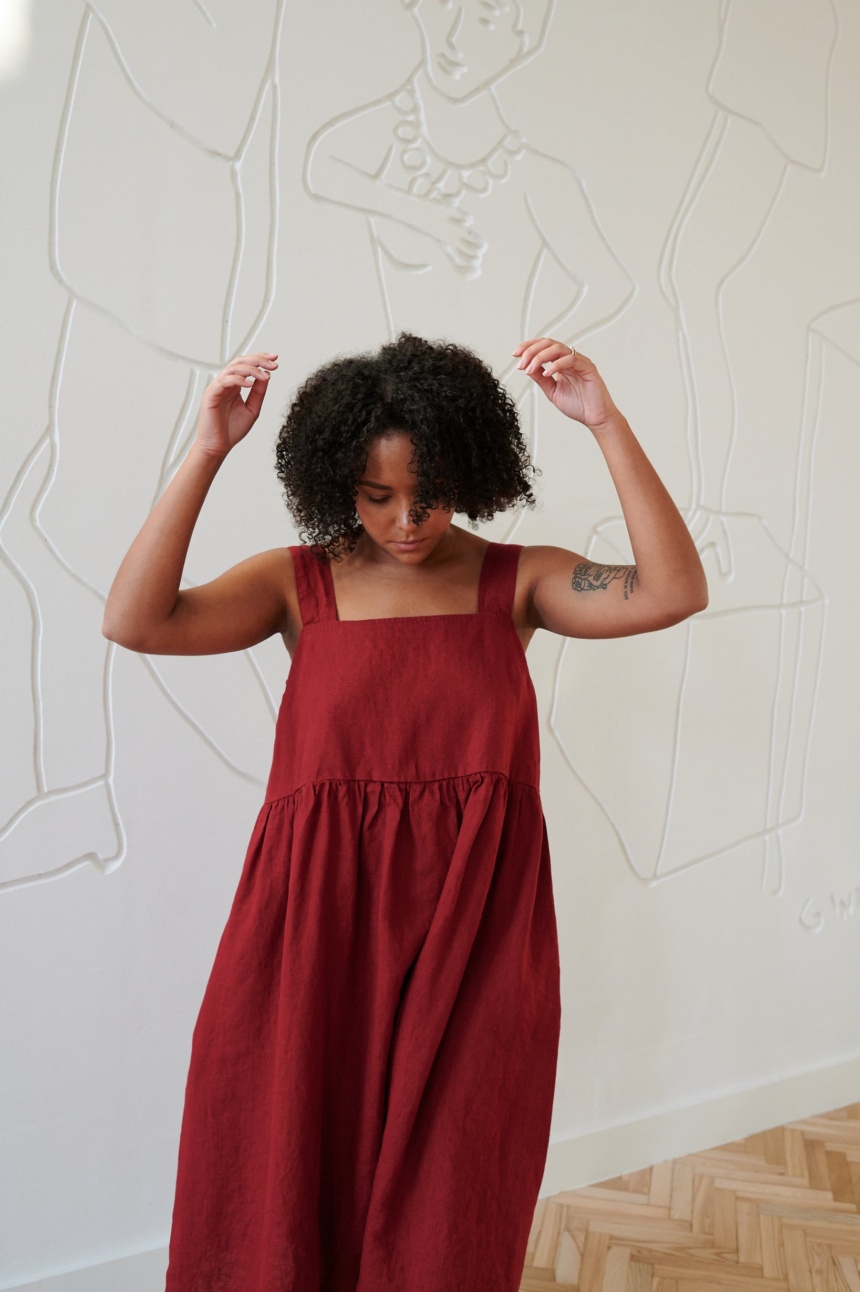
(372, 1070)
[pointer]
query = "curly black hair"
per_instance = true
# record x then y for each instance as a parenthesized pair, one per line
(469, 452)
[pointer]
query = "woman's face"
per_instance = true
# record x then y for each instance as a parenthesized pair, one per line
(469, 43)
(385, 496)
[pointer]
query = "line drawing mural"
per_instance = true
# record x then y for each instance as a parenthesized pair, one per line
(470, 226)
(217, 143)
(430, 166)
(767, 613)
(468, 222)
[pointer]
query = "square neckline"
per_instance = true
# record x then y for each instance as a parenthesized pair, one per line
(384, 619)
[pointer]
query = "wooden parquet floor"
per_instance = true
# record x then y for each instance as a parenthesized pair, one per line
(778, 1210)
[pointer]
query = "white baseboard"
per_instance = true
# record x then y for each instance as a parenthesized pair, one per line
(615, 1150)
(143, 1272)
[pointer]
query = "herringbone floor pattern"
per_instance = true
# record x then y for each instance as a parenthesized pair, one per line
(778, 1210)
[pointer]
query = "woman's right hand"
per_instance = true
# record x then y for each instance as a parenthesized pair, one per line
(225, 417)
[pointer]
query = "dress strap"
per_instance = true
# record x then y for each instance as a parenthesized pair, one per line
(314, 585)
(499, 578)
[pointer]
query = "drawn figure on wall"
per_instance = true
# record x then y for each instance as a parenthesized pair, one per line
(752, 662)
(158, 140)
(467, 219)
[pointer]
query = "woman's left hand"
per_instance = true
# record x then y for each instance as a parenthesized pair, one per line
(570, 381)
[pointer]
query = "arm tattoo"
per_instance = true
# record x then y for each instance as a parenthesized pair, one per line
(589, 577)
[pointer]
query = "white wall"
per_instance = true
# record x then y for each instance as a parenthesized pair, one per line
(677, 194)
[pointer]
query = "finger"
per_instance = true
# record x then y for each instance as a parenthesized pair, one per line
(264, 356)
(567, 362)
(227, 381)
(251, 367)
(256, 395)
(546, 384)
(246, 379)
(531, 348)
(535, 341)
(227, 388)
(545, 354)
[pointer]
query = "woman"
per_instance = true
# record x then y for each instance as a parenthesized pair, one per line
(370, 1089)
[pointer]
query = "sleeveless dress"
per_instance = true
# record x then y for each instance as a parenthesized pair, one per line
(372, 1070)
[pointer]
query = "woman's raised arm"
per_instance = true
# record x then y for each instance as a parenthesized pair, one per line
(576, 597)
(145, 609)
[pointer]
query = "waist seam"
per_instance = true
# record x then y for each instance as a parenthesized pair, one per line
(398, 780)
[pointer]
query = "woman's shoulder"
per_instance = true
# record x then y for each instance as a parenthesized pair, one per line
(274, 568)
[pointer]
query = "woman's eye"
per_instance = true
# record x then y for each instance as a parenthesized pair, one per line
(380, 500)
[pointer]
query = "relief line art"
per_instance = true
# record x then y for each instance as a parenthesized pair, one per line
(761, 588)
(467, 220)
(206, 14)
(455, 200)
(469, 224)
(42, 445)
(76, 808)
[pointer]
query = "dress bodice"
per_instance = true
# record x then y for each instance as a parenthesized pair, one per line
(419, 697)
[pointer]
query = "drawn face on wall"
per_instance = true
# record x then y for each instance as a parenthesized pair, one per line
(469, 43)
